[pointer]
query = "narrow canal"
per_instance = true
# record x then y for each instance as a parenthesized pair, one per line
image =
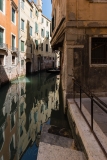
(25, 105)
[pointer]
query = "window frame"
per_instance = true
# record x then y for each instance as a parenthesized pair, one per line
(30, 13)
(3, 33)
(4, 7)
(14, 15)
(23, 46)
(90, 53)
(23, 24)
(23, 4)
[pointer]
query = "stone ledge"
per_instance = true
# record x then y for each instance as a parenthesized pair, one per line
(52, 152)
(93, 150)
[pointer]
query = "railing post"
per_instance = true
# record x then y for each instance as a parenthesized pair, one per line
(92, 113)
(80, 97)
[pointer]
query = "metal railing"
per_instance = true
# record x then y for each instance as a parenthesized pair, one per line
(3, 46)
(94, 99)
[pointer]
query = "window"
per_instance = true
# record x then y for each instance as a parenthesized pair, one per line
(99, 50)
(30, 31)
(36, 41)
(13, 42)
(1, 36)
(22, 4)
(30, 13)
(41, 46)
(36, 13)
(22, 46)
(36, 27)
(22, 63)
(46, 23)
(21, 108)
(46, 47)
(12, 121)
(21, 131)
(47, 34)
(13, 59)
(1, 5)
(31, 47)
(42, 32)
(13, 15)
(22, 24)
(42, 19)
(2, 60)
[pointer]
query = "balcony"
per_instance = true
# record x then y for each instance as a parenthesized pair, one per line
(14, 50)
(3, 46)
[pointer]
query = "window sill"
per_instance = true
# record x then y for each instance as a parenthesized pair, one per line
(2, 12)
(13, 23)
(22, 30)
(98, 65)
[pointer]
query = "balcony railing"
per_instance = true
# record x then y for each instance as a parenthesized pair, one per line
(14, 49)
(3, 46)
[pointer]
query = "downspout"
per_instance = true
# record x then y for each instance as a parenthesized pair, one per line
(19, 35)
(77, 12)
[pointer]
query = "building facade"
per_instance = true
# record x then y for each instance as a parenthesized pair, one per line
(79, 32)
(34, 40)
(9, 57)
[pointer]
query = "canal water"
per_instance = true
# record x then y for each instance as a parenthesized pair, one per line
(25, 105)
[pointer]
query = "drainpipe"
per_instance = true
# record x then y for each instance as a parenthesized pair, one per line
(19, 35)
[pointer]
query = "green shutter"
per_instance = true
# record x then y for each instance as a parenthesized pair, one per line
(22, 46)
(36, 27)
(1, 5)
(13, 15)
(1, 35)
(13, 41)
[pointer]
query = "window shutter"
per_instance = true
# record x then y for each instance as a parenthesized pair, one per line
(1, 5)
(1, 35)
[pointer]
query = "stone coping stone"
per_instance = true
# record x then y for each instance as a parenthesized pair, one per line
(52, 152)
(94, 151)
(55, 139)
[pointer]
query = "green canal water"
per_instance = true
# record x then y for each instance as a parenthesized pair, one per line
(25, 105)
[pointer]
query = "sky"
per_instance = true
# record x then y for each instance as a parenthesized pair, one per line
(47, 8)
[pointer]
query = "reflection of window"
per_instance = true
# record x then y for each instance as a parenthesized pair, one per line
(36, 116)
(30, 118)
(42, 108)
(12, 121)
(21, 108)
(21, 131)
(1, 59)
(13, 59)
(46, 47)
(1, 138)
(99, 51)
(12, 149)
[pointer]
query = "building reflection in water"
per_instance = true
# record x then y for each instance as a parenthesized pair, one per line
(24, 106)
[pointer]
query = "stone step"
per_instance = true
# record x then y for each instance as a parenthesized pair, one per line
(52, 152)
(55, 139)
